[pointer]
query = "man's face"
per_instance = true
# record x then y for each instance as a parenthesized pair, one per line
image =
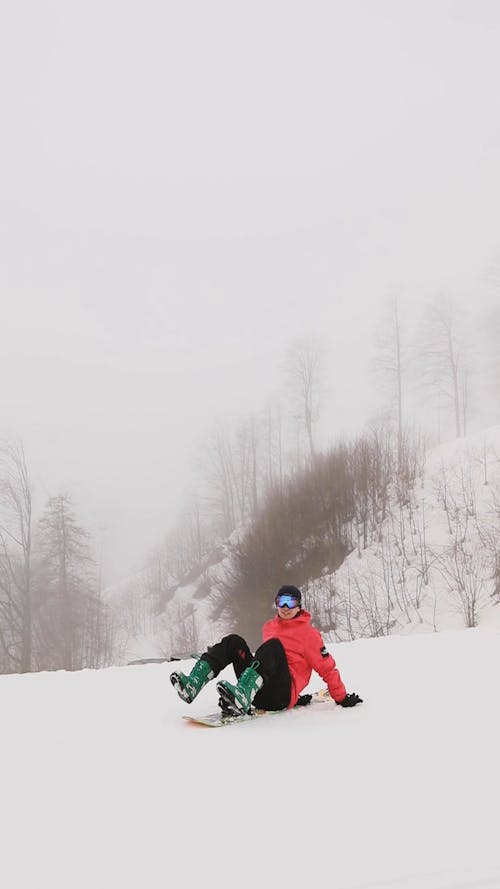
(288, 605)
(286, 613)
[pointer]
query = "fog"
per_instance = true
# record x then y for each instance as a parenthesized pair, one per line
(185, 189)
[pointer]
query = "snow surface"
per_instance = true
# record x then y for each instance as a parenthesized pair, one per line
(103, 785)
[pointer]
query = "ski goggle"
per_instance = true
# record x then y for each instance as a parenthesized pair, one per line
(285, 600)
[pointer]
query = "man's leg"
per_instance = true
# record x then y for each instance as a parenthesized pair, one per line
(265, 684)
(231, 649)
(273, 667)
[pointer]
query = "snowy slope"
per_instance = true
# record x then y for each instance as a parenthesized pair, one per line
(406, 580)
(432, 563)
(103, 785)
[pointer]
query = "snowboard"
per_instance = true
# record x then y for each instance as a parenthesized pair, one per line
(216, 720)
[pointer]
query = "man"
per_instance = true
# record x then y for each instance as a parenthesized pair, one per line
(281, 668)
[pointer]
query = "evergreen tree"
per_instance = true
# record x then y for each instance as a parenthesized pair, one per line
(74, 623)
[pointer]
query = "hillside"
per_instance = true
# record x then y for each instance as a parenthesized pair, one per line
(432, 564)
(435, 561)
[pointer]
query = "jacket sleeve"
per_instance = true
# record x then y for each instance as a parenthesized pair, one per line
(323, 663)
(267, 631)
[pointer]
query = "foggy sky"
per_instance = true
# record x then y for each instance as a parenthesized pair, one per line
(187, 187)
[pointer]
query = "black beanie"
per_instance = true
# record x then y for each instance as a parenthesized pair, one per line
(290, 591)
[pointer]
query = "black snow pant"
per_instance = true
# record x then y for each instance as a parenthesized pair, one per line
(273, 667)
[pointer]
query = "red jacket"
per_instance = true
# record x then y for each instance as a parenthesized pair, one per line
(305, 651)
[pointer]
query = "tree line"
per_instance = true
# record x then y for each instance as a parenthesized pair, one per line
(307, 526)
(267, 475)
(268, 497)
(52, 612)
(303, 530)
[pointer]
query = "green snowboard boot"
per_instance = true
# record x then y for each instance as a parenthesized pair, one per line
(237, 699)
(187, 687)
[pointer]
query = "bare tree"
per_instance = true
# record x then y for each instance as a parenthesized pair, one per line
(389, 363)
(370, 613)
(180, 631)
(305, 370)
(466, 572)
(487, 355)
(246, 472)
(442, 353)
(16, 571)
(464, 566)
(216, 461)
(320, 597)
(230, 466)
(273, 436)
(491, 357)
(184, 548)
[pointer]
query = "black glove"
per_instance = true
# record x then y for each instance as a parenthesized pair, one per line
(351, 700)
(303, 700)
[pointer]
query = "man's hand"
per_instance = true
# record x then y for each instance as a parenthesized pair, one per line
(351, 700)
